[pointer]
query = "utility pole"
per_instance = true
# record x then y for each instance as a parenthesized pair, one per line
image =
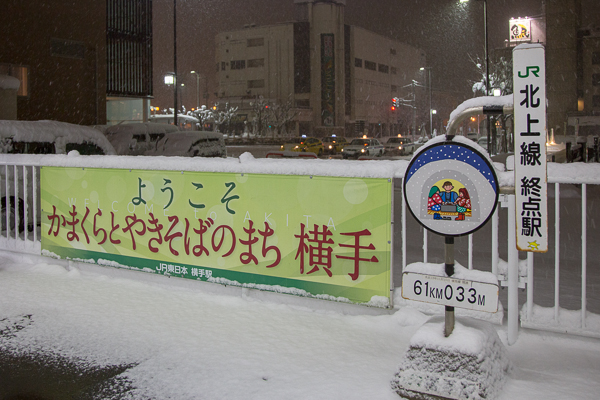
(414, 126)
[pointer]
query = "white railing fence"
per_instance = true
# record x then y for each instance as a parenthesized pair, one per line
(20, 232)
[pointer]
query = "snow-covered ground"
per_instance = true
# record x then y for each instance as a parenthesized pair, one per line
(192, 340)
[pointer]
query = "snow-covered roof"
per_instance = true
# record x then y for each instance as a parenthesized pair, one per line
(56, 132)
(9, 82)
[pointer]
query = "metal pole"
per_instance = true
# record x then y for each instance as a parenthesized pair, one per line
(513, 273)
(556, 249)
(583, 255)
(487, 75)
(414, 109)
(530, 285)
(430, 115)
(449, 266)
(175, 59)
(197, 91)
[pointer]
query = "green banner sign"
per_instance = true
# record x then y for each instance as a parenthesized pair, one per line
(327, 237)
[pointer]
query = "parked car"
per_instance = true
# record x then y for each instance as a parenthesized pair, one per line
(51, 137)
(40, 137)
(136, 139)
(399, 145)
(309, 144)
(333, 144)
(185, 122)
(190, 144)
(363, 147)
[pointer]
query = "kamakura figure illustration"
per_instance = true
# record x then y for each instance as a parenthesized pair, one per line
(448, 203)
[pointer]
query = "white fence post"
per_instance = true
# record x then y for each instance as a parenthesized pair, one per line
(556, 249)
(583, 254)
(513, 273)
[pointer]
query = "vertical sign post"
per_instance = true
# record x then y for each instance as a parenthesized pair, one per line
(529, 82)
(452, 190)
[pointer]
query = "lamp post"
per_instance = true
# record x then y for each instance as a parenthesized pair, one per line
(175, 59)
(430, 107)
(205, 94)
(487, 68)
(197, 88)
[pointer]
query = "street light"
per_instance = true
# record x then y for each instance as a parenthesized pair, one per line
(430, 114)
(175, 59)
(198, 76)
(197, 89)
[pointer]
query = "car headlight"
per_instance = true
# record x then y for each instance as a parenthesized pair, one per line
(362, 150)
(399, 147)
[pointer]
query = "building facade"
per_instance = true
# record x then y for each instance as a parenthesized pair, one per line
(338, 79)
(84, 62)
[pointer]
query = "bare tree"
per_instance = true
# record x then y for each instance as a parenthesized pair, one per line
(260, 111)
(224, 117)
(500, 76)
(203, 115)
(280, 114)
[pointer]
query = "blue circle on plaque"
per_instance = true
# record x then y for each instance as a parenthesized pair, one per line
(451, 188)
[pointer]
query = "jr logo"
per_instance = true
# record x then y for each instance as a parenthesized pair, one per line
(534, 70)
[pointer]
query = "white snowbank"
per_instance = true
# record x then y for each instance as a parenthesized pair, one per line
(471, 363)
(188, 340)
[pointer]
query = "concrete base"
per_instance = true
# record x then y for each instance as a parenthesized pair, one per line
(470, 364)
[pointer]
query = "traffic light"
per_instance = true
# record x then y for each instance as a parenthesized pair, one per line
(394, 104)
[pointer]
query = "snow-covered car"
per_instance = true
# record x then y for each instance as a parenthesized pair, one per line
(363, 147)
(51, 137)
(136, 139)
(399, 145)
(41, 137)
(190, 144)
(185, 122)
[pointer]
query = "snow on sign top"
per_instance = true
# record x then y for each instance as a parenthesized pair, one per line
(451, 188)
(9, 82)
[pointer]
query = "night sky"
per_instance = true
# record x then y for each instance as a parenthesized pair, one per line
(447, 30)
